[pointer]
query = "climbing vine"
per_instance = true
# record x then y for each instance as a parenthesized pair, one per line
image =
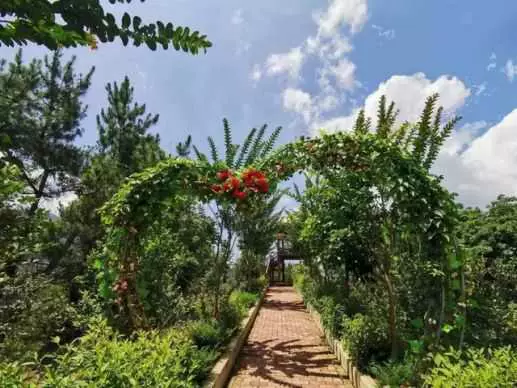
(421, 203)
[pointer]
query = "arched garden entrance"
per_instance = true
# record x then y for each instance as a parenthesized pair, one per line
(417, 208)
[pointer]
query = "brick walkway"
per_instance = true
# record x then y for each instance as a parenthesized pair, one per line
(286, 349)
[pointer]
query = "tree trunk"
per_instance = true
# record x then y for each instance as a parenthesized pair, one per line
(392, 315)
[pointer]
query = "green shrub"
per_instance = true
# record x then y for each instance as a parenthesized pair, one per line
(303, 283)
(394, 374)
(32, 310)
(14, 375)
(331, 314)
(243, 301)
(474, 368)
(366, 339)
(104, 359)
(229, 319)
(206, 334)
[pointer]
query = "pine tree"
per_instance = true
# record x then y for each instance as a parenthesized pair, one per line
(40, 115)
(123, 130)
(124, 147)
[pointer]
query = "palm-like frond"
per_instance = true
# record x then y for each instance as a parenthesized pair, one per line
(270, 143)
(400, 135)
(200, 156)
(424, 128)
(256, 147)
(230, 148)
(183, 148)
(245, 148)
(362, 124)
(213, 149)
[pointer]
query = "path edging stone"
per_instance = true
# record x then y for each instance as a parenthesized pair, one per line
(358, 379)
(221, 372)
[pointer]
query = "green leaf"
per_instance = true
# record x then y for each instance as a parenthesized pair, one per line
(417, 323)
(137, 21)
(126, 20)
(447, 328)
(151, 43)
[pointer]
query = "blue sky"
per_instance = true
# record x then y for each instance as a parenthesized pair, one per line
(311, 64)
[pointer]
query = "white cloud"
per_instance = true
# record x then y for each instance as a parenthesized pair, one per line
(480, 89)
(343, 123)
(388, 34)
(327, 103)
(344, 72)
(290, 63)
(353, 13)
(462, 138)
(256, 73)
(237, 17)
(481, 167)
(510, 69)
(410, 92)
(298, 101)
(492, 64)
(329, 45)
(332, 49)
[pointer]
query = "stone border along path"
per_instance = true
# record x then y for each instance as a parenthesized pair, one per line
(286, 349)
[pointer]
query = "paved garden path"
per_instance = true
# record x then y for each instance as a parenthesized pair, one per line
(286, 349)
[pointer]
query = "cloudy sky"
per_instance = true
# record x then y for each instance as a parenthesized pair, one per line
(310, 64)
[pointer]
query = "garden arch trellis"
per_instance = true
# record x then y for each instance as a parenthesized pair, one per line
(424, 202)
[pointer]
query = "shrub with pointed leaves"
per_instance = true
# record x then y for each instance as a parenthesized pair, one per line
(423, 139)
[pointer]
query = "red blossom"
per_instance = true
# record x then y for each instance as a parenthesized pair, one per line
(216, 188)
(232, 183)
(223, 175)
(255, 180)
(250, 175)
(262, 184)
(239, 194)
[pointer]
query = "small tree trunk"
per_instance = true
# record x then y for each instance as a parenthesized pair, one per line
(392, 315)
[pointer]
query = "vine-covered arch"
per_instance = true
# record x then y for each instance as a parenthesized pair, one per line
(419, 195)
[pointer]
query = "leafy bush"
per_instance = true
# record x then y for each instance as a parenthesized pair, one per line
(331, 314)
(303, 283)
(366, 339)
(229, 319)
(32, 310)
(394, 374)
(14, 375)
(206, 334)
(104, 359)
(243, 301)
(474, 368)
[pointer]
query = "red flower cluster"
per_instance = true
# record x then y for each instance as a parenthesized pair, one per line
(231, 184)
(252, 180)
(255, 180)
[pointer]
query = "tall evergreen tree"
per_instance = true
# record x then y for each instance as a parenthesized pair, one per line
(40, 115)
(123, 130)
(124, 147)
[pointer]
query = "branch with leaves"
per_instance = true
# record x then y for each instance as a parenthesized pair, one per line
(64, 23)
